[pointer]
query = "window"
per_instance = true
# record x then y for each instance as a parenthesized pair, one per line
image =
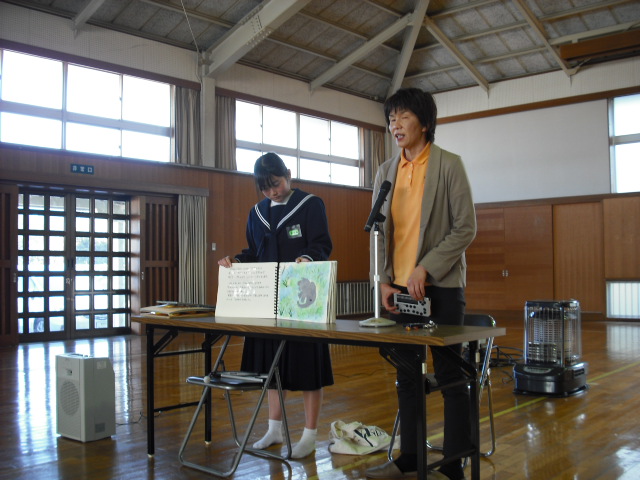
(313, 148)
(623, 299)
(73, 265)
(54, 104)
(625, 144)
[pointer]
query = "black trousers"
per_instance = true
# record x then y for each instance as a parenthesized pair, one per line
(447, 308)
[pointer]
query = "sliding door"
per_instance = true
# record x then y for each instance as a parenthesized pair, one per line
(73, 265)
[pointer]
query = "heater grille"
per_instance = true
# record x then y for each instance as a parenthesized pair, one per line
(354, 298)
(552, 331)
(552, 350)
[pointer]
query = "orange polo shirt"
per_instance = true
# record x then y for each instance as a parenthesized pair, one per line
(406, 208)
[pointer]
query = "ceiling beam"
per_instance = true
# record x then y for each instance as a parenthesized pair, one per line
(457, 54)
(537, 27)
(598, 32)
(408, 44)
(85, 14)
(361, 51)
(249, 32)
(601, 47)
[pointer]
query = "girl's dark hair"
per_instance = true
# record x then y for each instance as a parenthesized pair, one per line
(419, 102)
(268, 165)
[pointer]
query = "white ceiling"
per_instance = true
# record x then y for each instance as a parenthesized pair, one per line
(371, 48)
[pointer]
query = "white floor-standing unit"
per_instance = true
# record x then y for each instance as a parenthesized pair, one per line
(85, 393)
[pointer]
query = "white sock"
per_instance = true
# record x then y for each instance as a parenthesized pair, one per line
(306, 445)
(273, 435)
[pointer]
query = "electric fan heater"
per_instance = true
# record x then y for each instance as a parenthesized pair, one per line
(552, 350)
(85, 386)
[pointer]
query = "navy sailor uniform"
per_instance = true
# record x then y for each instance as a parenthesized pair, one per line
(282, 233)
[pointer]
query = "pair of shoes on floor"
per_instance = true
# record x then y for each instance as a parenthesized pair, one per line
(390, 470)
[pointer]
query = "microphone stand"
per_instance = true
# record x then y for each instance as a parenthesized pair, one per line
(377, 320)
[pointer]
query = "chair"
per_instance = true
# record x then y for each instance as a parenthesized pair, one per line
(482, 363)
(216, 380)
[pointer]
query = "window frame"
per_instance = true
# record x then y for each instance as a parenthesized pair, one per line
(300, 154)
(66, 117)
(618, 140)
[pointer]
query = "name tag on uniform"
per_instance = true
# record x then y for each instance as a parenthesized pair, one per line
(294, 231)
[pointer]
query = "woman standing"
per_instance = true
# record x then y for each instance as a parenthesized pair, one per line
(288, 225)
(430, 222)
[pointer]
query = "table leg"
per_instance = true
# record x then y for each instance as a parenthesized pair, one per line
(421, 406)
(150, 393)
(206, 348)
(411, 360)
(474, 410)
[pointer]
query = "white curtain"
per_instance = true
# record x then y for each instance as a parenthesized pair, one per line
(225, 133)
(188, 127)
(192, 223)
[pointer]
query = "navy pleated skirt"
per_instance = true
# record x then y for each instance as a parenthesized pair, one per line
(303, 365)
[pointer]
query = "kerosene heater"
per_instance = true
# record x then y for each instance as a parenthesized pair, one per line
(552, 350)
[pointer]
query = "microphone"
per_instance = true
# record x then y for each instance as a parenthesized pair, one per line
(375, 211)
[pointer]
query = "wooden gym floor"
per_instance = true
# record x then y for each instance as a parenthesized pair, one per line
(593, 435)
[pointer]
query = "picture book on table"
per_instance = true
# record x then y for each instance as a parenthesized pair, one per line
(304, 291)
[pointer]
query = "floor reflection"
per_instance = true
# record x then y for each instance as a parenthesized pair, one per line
(35, 393)
(623, 340)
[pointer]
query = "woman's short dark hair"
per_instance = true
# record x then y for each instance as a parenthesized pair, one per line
(419, 102)
(268, 165)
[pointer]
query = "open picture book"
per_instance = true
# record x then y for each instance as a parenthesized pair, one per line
(304, 291)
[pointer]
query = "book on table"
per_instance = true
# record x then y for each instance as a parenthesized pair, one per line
(304, 291)
(177, 309)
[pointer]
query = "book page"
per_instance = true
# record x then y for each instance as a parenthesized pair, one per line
(306, 291)
(247, 290)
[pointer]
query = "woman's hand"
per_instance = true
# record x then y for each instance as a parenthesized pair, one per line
(302, 259)
(226, 261)
(416, 283)
(386, 295)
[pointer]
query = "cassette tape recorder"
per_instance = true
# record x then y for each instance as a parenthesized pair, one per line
(407, 304)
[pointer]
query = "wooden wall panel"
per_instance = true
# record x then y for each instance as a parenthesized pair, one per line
(347, 212)
(154, 251)
(159, 266)
(486, 262)
(511, 259)
(8, 255)
(622, 238)
(578, 255)
(528, 254)
(51, 167)
(231, 198)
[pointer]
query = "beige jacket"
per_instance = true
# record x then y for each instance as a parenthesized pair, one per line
(447, 226)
